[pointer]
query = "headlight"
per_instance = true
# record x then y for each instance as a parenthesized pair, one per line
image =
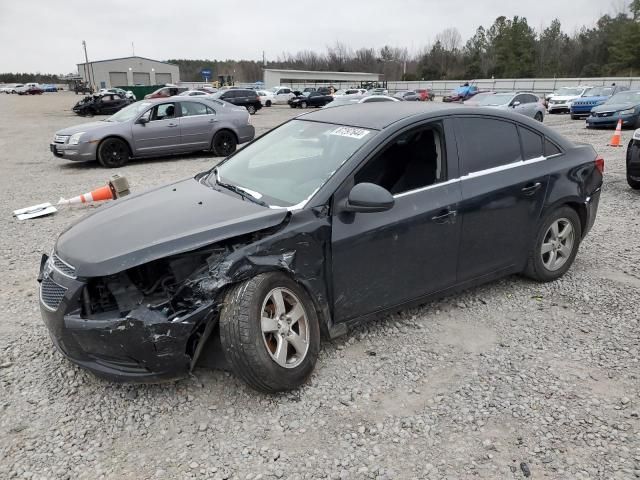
(629, 111)
(75, 138)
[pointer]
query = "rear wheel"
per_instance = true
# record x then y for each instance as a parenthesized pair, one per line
(268, 103)
(224, 143)
(269, 332)
(251, 109)
(555, 246)
(634, 182)
(113, 153)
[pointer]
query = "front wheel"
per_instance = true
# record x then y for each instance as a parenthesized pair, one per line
(269, 332)
(268, 103)
(555, 246)
(634, 182)
(251, 109)
(113, 153)
(539, 117)
(224, 143)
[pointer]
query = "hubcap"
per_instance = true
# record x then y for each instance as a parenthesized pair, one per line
(557, 244)
(285, 329)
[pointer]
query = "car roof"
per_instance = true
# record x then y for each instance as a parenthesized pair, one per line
(379, 115)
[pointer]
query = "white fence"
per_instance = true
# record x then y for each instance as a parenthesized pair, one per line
(537, 85)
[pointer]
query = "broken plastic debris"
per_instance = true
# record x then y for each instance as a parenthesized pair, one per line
(34, 211)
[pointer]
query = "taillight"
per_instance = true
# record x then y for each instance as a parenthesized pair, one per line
(600, 164)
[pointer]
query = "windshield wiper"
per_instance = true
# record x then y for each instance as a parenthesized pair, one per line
(238, 190)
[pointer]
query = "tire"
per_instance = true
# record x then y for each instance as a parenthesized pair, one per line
(113, 153)
(554, 263)
(303, 105)
(251, 109)
(292, 105)
(632, 182)
(252, 351)
(224, 143)
(539, 117)
(574, 117)
(268, 103)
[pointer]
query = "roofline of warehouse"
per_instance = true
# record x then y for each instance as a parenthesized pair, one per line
(127, 58)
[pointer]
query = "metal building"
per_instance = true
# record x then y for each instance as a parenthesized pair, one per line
(301, 78)
(128, 71)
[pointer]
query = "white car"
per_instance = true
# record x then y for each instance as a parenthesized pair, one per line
(23, 89)
(353, 99)
(266, 98)
(281, 95)
(562, 99)
(12, 88)
(193, 93)
(350, 91)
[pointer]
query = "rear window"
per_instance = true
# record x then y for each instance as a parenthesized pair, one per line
(487, 143)
(532, 144)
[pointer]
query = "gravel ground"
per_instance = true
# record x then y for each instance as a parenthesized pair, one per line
(510, 380)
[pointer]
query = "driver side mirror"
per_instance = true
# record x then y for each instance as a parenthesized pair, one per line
(368, 198)
(142, 120)
(515, 104)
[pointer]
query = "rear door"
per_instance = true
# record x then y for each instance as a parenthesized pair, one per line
(502, 194)
(161, 134)
(196, 125)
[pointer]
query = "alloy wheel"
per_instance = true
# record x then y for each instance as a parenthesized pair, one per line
(285, 327)
(224, 144)
(557, 244)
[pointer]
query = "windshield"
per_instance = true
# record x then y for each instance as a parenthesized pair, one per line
(129, 113)
(569, 92)
(496, 99)
(599, 92)
(288, 165)
(625, 97)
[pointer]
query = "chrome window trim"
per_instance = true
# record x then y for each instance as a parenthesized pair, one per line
(428, 187)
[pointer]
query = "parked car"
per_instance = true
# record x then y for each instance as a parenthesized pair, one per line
(476, 99)
(623, 106)
(593, 97)
(462, 93)
(120, 91)
(266, 98)
(152, 128)
(105, 103)
(633, 161)
(426, 94)
(14, 88)
(193, 93)
(335, 217)
(31, 88)
(407, 96)
(48, 87)
(165, 92)
(562, 99)
(350, 91)
(356, 99)
(524, 103)
(7, 88)
(310, 99)
(242, 98)
(82, 88)
(281, 95)
(378, 91)
(309, 89)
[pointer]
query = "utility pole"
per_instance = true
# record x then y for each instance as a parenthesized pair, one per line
(86, 64)
(264, 60)
(133, 50)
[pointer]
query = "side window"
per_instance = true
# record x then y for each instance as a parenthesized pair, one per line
(487, 143)
(190, 109)
(519, 98)
(532, 146)
(551, 148)
(163, 111)
(532, 99)
(285, 90)
(210, 111)
(410, 161)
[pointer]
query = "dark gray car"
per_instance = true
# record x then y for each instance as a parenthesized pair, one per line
(157, 127)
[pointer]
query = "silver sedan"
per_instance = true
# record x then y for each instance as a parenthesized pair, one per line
(525, 103)
(157, 127)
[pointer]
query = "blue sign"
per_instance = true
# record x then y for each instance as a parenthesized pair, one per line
(206, 72)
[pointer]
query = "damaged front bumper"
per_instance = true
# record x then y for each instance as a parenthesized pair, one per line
(143, 346)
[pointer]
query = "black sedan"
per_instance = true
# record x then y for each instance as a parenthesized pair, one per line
(332, 218)
(310, 99)
(106, 103)
(633, 161)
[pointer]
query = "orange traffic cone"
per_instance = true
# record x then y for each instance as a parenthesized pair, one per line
(117, 187)
(616, 140)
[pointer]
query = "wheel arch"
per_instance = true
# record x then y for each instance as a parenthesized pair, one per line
(117, 137)
(575, 204)
(224, 129)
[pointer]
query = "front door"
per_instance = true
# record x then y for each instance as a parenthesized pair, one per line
(502, 194)
(161, 134)
(380, 260)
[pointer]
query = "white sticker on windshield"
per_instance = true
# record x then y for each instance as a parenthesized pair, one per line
(351, 132)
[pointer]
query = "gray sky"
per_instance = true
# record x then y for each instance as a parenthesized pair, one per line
(45, 36)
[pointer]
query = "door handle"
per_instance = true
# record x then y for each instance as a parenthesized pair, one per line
(171, 125)
(531, 188)
(213, 120)
(444, 216)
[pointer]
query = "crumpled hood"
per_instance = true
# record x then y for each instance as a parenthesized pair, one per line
(614, 107)
(83, 127)
(172, 219)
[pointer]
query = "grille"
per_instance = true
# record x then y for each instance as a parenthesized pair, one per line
(604, 114)
(51, 293)
(61, 138)
(63, 267)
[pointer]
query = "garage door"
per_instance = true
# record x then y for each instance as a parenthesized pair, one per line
(118, 79)
(141, 78)
(163, 78)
